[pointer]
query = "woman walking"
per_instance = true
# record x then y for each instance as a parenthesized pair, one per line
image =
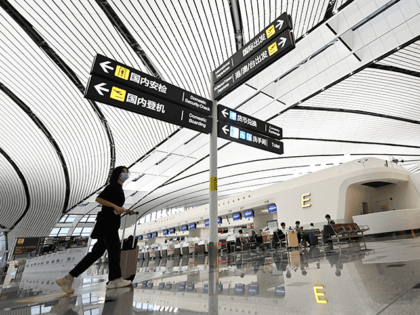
(106, 232)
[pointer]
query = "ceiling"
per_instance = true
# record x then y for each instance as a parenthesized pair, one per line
(349, 90)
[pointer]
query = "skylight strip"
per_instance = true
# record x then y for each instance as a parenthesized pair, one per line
(146, 43)
(183, 60)
(59, 89)
(195, 57)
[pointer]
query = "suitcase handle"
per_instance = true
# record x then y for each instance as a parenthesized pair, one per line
(135, 228)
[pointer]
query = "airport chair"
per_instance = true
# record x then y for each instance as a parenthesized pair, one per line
(223, 247)
(239, 244)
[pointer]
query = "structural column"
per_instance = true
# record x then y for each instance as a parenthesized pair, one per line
(213, 212)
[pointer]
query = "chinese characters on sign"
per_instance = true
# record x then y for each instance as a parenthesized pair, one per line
(148, 83)
(131, 98)
(251, 64)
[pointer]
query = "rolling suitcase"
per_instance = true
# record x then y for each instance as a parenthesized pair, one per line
(294, 259)
(129, 256)
(313, 239)
(292, 240)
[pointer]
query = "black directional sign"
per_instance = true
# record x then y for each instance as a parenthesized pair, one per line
(117, 95)
(272, 51)
(282, 23)
(130, 77)
(247, 137)
(245, 121)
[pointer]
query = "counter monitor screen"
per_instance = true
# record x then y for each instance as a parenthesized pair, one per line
(192, 226)
(184, 228)
(165, 232)
(237, 216)
(207, 222)
(272, 209)
(249, 214)
(149, 235)
(172, 231)
(140, 237)
(253, 289)
(154, 234)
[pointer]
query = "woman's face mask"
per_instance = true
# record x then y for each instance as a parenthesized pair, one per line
(124, 176)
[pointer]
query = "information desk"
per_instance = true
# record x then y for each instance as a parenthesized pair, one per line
(389, 221)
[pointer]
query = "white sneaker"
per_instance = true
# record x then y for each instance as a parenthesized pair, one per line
(118, 283)
(65, 283)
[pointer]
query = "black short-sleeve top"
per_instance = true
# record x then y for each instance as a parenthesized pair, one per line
(107, 219)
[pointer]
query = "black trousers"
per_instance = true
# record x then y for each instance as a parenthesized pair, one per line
(113, 246)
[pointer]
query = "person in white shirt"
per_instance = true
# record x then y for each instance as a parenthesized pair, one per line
(311, 227)
(283, 228)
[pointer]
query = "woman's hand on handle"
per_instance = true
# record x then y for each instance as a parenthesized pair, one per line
(131, 212)
(120, 210)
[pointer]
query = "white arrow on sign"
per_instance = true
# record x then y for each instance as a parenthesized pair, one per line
(225, 129)
(105, 66)
(279, 24)
(100, 87)
(225, 113)
(282, 42)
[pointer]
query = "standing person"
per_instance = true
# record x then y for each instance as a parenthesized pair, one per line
(328, 229)
(298, 229)
(329, 220)
(106, 232)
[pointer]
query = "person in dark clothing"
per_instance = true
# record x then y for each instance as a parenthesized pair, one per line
(328, 217)
(328, 231)
(106, 232)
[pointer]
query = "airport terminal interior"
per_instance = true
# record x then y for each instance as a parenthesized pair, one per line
(209, 157)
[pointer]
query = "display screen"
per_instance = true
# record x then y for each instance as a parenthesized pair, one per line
(165, 232)
(253, 289)
(140, 237)
(172, 231)
(272, 209)
(149, 235)
(184, 228)
(192, 226)
(182, 286)
(239, 288)
(207, 222)
(237, 216)
(154, 234)
(249, 214)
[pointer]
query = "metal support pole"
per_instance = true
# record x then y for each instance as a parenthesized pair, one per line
(213, 238)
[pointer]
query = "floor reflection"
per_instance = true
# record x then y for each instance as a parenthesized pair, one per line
(382, 277)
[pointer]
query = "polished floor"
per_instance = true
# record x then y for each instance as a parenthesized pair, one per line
(381, 276)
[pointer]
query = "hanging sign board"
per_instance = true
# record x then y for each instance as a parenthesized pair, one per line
(280, 24)
(239, 119)
(143, 82)
(247, 137)
(114, 94)
(271, 52)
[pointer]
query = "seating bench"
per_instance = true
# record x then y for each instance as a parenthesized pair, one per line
(346, 231)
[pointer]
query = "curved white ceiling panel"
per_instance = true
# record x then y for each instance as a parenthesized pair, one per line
(12, 194)
(63, 148)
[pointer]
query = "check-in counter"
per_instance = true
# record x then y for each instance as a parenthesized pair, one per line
(201, 249)
(185, 250)
(192, 249)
